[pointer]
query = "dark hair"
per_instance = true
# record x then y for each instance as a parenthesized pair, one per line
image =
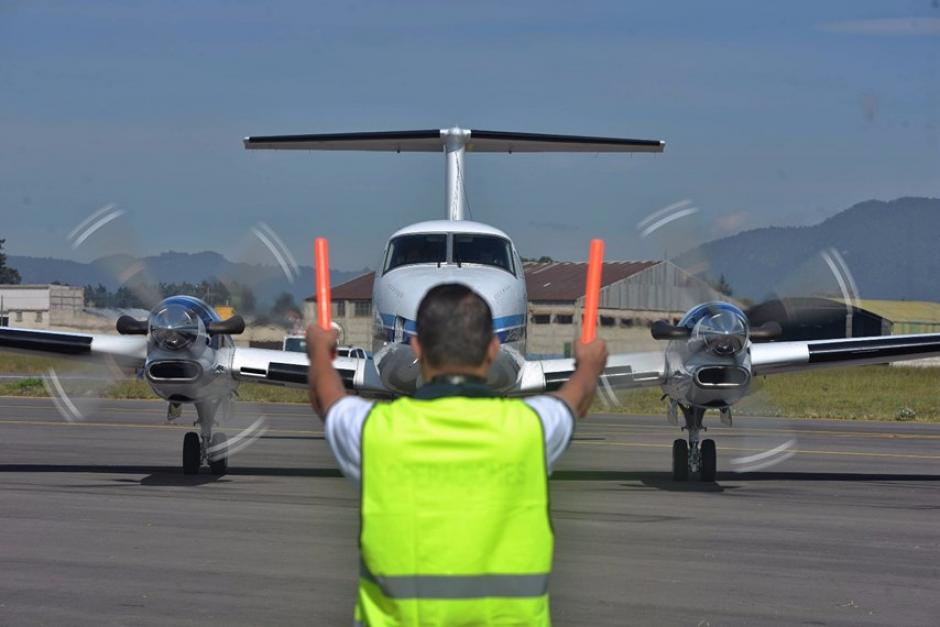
(454, 326)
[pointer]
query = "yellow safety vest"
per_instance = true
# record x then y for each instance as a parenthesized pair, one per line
(455, 514)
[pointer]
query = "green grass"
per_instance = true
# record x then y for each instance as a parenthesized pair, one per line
(865, 393)
(136, 389)
(13, 363)
(23, 387)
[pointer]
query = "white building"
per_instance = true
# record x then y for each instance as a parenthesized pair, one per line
(40, 306)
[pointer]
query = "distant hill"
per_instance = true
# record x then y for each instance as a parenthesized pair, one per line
(267, 282)
(892, 250)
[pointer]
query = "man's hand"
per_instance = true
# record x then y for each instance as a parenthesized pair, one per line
(324, 385)
(592, 357)
(578, 391)
(319, 340)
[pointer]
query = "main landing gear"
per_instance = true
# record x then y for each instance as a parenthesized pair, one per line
(694, 456)
(206, 447)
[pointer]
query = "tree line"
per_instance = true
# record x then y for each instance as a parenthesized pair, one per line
(8, 275)
(213, 292)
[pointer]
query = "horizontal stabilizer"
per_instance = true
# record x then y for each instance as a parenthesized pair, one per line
(394, 141)
(435, 141)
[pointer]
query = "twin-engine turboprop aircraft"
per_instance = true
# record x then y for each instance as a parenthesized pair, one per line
(708, 363)
(187, 356)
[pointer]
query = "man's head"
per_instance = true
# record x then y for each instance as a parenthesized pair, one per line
(454, 332)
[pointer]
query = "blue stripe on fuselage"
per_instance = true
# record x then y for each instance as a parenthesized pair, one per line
(506, 328)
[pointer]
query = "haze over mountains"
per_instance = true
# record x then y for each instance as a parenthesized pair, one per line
(892, 250)
(267, 282)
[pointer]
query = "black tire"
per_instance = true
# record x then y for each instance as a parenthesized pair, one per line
(218, 461)
(680, 460)
(192, 453)
(709, 461)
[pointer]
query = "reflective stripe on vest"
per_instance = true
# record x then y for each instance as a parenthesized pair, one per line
(457, 586)
(455, 520)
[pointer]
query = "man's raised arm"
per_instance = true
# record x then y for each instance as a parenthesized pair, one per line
(325, 386)
(578, 391)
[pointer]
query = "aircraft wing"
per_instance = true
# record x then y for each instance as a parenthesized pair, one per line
(128, 351)
(290, 368)
(623, 371)
(774, 357)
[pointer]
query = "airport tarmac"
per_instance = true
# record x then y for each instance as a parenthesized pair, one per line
(837, 524)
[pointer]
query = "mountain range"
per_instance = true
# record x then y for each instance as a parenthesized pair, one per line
(891, 250)
(267, 282)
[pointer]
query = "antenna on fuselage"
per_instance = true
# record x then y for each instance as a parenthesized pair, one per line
(454, 143)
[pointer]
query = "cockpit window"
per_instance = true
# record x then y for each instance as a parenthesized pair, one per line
(487, 250)
(411, 249)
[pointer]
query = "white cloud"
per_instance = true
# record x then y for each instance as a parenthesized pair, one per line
(895, 26)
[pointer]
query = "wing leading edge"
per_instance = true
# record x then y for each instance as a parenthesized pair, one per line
(775, 357)
(290, 369)
(624, 371)
(126, 350)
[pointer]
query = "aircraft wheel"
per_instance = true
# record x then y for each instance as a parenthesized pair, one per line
(709, 460)
(218, 460)
(680, 460)
(192, 453)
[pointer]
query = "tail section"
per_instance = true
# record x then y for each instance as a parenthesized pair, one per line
(454, 142)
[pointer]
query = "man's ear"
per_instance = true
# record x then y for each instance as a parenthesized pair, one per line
(416, 347)
(492, 350)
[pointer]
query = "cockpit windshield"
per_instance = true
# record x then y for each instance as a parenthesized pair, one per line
(487, 250)
(472, 248)
(411, 249)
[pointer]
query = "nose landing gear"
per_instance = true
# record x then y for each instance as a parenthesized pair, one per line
(206, 447)
(694, 456)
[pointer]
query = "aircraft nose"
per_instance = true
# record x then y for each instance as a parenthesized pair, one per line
(174, 327)
(723, 333)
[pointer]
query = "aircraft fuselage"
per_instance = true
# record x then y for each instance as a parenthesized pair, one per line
(426, 254)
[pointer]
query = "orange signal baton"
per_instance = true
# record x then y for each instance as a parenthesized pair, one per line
(592, 291)
(321, 254)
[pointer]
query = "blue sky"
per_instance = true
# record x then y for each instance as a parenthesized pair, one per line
(779, 113)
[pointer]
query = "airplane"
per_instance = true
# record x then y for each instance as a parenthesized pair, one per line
(709, 362)
(710, 358)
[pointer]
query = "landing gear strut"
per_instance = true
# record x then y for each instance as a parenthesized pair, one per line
(206, 447)
(694, 456)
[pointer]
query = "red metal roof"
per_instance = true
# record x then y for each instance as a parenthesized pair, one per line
(557, 281)
(359, 288)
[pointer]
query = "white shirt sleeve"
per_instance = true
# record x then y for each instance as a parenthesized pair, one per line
(557, 425)
(343, 432)
(344, 421)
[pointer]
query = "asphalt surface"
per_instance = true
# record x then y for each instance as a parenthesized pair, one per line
(98, 526)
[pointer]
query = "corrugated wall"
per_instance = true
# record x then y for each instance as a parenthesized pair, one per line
(663, 287)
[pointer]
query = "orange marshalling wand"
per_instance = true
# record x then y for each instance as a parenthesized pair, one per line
(592, 290)
(321, 254)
